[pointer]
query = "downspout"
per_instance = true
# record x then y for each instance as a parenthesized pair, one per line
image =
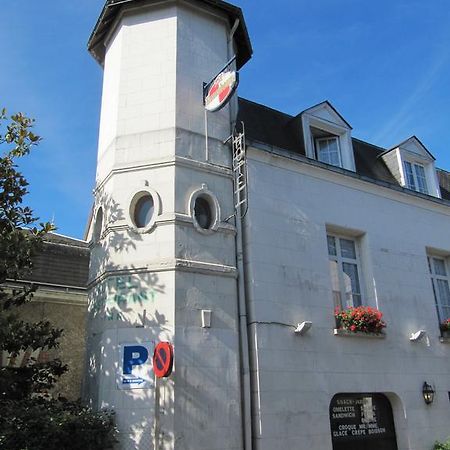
(243, 336)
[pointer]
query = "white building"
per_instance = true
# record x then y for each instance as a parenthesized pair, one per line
(331, 221)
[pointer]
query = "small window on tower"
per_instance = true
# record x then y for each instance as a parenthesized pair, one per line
(205, 210)
(144, 210)
(203, 213)
(98, 226)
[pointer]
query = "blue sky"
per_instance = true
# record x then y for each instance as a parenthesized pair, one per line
(384, 65)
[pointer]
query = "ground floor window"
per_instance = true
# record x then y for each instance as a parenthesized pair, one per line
(362, 422)
(441, 290)
(345, 270)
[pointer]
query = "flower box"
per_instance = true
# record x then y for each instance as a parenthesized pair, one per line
(358, 334)
(361, 319)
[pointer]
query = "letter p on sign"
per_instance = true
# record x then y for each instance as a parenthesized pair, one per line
(135, 355)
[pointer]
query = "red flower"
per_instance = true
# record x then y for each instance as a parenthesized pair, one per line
(361, 318)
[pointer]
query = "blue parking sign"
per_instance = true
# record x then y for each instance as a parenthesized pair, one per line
(135, 366)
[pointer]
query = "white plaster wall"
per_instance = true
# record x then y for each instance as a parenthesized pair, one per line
(136, 151)
(288, 281)
(152, 135)
(207, 393)
(110, 98)
(202, 52)
(149, 259)
(138, 103)
(113, 323)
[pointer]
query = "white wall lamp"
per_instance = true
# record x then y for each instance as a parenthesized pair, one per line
(418, 335)
(206, 318)
(302, 328)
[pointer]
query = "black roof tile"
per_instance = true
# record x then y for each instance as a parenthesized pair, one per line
(444, 183)
(62, 261)
(368, 162)
(269, 126)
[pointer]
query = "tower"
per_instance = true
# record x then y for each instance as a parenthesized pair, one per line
(163, 256)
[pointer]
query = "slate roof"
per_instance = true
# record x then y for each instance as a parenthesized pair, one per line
(63, 261)
(113, 8)
(274, 128)
(270, 126)
(444, 183)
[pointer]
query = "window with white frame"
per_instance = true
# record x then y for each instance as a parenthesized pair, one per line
(415, 177)
(327, 136)
(440, 281)
(345, 271)
(328, 150)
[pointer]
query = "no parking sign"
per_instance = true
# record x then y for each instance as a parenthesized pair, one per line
(163, 359)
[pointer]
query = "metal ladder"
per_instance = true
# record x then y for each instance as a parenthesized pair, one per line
(240, 172)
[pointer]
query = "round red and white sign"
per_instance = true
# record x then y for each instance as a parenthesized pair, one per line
(221, 90)
(163, 359)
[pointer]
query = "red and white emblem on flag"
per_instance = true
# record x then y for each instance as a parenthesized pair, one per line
(220, 90)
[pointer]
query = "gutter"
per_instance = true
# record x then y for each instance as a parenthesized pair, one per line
(245, 385)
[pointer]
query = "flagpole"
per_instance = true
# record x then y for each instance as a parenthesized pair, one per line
(156, 422)
(206, 136)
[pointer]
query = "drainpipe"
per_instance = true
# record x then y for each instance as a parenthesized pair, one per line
(243, 335)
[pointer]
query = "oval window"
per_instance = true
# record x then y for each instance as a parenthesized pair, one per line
(143, 211)
(203, 213)
(98, 226)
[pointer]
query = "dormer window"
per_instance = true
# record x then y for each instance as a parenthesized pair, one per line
(328, 151)
(327, 136)
(415, 177)
(413, 167)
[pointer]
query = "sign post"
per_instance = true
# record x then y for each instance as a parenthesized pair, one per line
(162, 368)
(156, 421)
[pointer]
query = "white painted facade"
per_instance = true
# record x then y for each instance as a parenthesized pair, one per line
(288, 281)
(154, 283)
(151, 285)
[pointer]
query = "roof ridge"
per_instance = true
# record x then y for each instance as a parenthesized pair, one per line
(68, 237)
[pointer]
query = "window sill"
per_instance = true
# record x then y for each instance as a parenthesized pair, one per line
(358, 334)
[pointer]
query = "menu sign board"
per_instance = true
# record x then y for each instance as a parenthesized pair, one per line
(362, 417)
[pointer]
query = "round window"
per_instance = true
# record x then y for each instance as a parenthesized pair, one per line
(143, 211)
(203, 213)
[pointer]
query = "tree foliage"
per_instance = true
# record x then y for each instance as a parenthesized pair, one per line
(30, 418)
(442, 445)
(20, 238)
(54, 425)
